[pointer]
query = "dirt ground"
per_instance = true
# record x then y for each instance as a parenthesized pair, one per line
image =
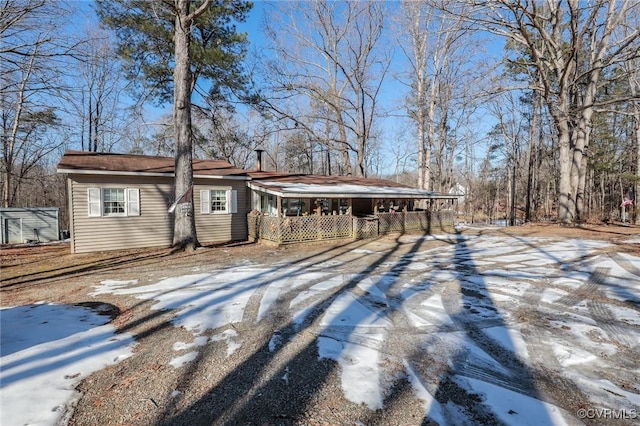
(26, 270)
(218, 389)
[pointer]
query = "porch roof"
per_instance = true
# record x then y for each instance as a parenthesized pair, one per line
(310, 186)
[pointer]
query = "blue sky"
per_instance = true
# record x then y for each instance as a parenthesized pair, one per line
(395, 129)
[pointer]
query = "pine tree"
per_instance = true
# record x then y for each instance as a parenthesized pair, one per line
(167, 47)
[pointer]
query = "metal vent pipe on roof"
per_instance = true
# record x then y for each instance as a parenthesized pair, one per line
(259, 159)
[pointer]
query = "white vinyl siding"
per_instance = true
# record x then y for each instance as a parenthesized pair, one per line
(113, 202)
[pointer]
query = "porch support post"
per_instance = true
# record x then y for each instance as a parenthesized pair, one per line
(279, 206)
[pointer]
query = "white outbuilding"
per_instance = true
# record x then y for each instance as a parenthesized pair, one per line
(29, 225)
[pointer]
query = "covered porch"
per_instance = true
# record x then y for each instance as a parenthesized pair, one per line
(290, 209)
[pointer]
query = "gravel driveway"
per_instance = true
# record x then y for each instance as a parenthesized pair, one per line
(524, 326)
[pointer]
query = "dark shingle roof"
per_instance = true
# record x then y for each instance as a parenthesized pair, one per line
(106, 162)
(284, 184)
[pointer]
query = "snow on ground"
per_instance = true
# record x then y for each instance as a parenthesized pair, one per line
(456, 305)
(46, 351)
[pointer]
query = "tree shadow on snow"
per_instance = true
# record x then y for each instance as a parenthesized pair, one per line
(274, 385)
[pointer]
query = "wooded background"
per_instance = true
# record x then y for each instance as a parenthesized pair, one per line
(531, 109)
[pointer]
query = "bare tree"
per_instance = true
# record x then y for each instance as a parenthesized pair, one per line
(510, 133)
(569, 44)
(31, 49)
(444, 76)
(341, 85)
(97, 96)
(230, 136)
(632, 71)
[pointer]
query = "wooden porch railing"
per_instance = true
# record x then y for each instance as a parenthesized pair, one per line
(293, 229)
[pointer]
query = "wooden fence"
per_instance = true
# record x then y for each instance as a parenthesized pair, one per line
(294, 229)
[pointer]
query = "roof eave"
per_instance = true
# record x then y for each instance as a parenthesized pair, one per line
(371, 195)
(144, 174)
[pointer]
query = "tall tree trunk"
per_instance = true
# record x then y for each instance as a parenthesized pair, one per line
(184, 234)
(636, 186)
(10, 141)
(422, 169)
(430, 137)
(566, 206)
(579, 162)
(531, 150)
(512, 195)
(633, 86)
(344, 145)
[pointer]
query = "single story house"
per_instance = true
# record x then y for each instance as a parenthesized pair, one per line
(119, 201)
(26, 225)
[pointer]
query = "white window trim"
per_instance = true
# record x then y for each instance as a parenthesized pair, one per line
(95, 200)
(231, 201)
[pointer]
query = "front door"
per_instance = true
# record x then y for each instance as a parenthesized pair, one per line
(12, 231)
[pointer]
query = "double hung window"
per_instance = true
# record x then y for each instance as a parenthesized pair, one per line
(113, 202)
(218, 201)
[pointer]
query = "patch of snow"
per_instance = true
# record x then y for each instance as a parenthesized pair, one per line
(605, 393)
(227, 336)
(289, 282)
(360, 374)
(183, 359)
(431, 405)
(198, 341)
(509, 339)
(504, 298)
(327, 284)
(514, 408)
(434, 309)
(628, 316)
(568, 282)
(568, 356)
(500, 285)
(275, 342)
(300, 316)
(203, 301)
(552, 295)
(363, 251)
(374, 293)
(47, 350)
(348, 311)
(111, 286)
(499, 273)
